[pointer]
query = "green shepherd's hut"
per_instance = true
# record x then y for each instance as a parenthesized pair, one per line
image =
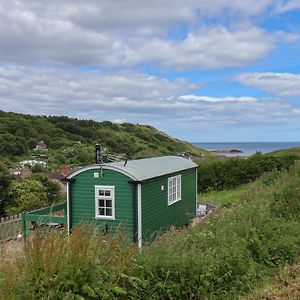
(144, 196)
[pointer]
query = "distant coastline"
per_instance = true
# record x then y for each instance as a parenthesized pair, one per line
(226, 151)
(244, 148)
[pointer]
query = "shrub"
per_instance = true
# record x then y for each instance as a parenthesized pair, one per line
(286, 203)
(230, 173)
(75, 267)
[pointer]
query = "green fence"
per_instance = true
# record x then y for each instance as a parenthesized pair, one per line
(52, 215)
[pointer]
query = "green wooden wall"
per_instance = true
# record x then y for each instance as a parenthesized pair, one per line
(157, 215)
(83, 200)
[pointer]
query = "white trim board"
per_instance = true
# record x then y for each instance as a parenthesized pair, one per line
(139, 200)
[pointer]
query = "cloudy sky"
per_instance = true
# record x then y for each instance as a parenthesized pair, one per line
(200, 70)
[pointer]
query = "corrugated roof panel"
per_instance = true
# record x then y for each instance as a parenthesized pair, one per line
(144, 169)
(147, 168)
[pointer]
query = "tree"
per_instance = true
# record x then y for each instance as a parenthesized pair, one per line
(5, 182)
(29, 194)
(52, 188)
(31, 143)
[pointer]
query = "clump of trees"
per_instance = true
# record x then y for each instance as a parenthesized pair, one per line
(230, 173)
(5, 182)
(20, 133)
(28, 194)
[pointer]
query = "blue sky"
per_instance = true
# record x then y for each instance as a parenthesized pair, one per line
(209, 70)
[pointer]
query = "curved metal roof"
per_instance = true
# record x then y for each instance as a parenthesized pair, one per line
(144, 169)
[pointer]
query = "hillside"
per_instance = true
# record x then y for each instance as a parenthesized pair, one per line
(237, 253)
(285, 286)
(72, 141)
(288, 151)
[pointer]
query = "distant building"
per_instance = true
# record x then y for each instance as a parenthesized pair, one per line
(40, 156)
(65, 170)
(15, 171)
(41, 146)
(32, 163)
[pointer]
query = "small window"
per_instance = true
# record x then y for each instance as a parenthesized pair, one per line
(174, 189)
(105, 202)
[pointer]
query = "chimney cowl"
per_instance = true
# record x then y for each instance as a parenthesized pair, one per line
(97, 154)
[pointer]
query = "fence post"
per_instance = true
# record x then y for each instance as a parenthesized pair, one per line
(24, 229)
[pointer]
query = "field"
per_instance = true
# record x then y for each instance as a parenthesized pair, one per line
(289, 151)
(225, 198)
(284, 286)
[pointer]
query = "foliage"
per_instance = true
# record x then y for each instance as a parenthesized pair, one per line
(5, 181)
(220, 259)
(225, 198)
(52, 189)
(287, 197)
(230, 173)
(288, 151)
(87, 270)
(27, 195)
(32, 193)
(71, 141)
(285, 286)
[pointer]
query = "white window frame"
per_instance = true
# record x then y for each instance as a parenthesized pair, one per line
(111, 197)
(174, 189)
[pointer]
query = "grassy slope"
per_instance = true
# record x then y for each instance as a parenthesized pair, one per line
(221, 259)
(289, 151)
(225, 198)
(284, 286)
(72, 141)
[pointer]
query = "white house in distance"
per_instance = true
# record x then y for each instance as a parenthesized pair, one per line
(41, 146)
(32, 163)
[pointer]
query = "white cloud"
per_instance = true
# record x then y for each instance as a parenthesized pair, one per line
(245, 8)
(119, 121)
(286, 6)
(27, 37)
(280, 84)
(128, 33)
(212, 48)
(58, 91)
(195, 98)
(133, 97)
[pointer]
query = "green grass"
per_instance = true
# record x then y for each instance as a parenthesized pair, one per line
(225, 258)
(224, 198)
(285, 286)
(284, 152)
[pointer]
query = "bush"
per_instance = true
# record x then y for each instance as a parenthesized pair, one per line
(286, 203)
(77, 267)
(230, 173)
(5, 182)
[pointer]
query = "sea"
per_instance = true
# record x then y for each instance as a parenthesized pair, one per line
(247, 148)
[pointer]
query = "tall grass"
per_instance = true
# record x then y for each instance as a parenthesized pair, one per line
(225, 198)
(86, 263)
(221, 259)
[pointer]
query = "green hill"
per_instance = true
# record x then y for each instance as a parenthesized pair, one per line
(72, 140)
(288, 151)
